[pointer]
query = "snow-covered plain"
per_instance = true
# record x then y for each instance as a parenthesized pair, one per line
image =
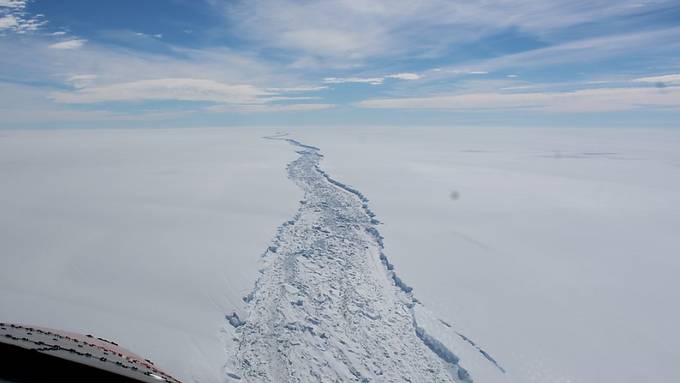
(559, 252)
(146, 237)
(554, 250)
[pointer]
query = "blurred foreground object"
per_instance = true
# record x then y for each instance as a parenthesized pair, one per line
(36, 354)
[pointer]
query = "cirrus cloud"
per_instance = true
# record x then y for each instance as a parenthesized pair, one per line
(663, 79)
(357, 80)
(182, 89)
(372, 80)
(405, 76)
(9, 21)
(15, 4)
(383, 28)
(584, 100)
(13, 17)
(226, 97)
(68, 44)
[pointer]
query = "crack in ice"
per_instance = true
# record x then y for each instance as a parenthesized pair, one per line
(328, 306)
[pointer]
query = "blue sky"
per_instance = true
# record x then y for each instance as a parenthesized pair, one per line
(129, 63)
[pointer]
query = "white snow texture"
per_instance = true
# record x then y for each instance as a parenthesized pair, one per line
(512, 254)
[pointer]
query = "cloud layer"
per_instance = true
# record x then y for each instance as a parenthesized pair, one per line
(14, 18)
(346, 31)
(580, 101)
(262, 56)
(68, 44)
(185, 89)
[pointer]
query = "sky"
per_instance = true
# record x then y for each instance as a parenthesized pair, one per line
(176, 63)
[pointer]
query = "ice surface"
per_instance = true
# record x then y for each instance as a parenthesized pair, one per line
(554, 251)
(146, 237)
(560, 254)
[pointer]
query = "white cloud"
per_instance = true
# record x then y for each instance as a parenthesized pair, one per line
(268, 108)
(228, 97)
(579, 51)
(241, 98)
(68, 44)
(9, 21)
(665, 79)
(371, 80)
(119, 73)
(140, 34)
(458, 71)
(342, 31)
(30, 59)
(21, 104)
(16, 4)
(585, 100)
(309, 88)
(183, 89)
(81, 80)
(405, 76)
(323, 41)
(290, 98)
(99, 74)
(13, 17)
(361, 80)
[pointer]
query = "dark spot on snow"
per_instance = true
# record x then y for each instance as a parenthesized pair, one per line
(234, 320)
